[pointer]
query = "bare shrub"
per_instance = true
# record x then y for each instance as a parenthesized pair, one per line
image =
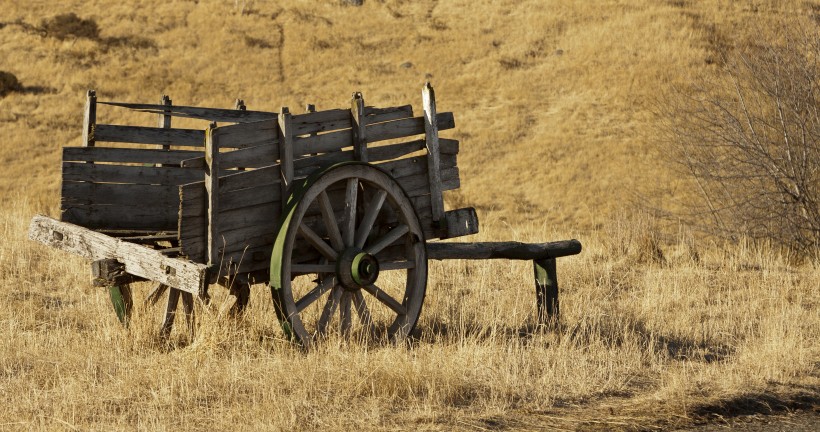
(749, 138)
(65, 26)
(9, 83)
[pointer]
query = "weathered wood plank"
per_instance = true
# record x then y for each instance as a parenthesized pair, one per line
(503, 250)
(73, 171)
(210, 114)
(84, 193)
(334, 141)
(248, 134)
(135, 216)
(138, 260)
(249, 157)
(127, 155)
(433, 154)
(378, 115)
(149, 135)
(406, 127)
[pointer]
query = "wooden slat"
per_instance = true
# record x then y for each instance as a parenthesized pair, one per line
(248, 134)
(149, 135)
(378, 115)
(138, 260)
(73, 171)
(210, 114)
(157, 218)
(127, 155)
(321, 121)
(334, 141)
(406, 127)
(74, 193)
(250, 157)
(433, 154)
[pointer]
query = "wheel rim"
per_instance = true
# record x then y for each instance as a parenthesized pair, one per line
(360, 270)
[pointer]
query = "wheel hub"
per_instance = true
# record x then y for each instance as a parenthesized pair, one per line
(356, 268)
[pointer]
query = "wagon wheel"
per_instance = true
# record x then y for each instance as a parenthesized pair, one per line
(358, 266)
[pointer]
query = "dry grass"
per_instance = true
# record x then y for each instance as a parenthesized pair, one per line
(552, 103)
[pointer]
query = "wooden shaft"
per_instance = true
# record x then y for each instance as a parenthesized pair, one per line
(503, 250)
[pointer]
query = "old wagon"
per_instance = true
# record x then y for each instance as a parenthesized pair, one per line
(337, 211)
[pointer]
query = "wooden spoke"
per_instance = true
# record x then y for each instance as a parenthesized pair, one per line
(369, 218)
(361, 309)
(155, 294)
(331, 224)
(317, 242)
(330, 307)
(396, 265)
(385, 299)
(387, 239)
(314, 294)
(313, 268)
(345, 312)
(351, 195)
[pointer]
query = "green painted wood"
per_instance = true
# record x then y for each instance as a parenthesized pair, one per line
(122, 301)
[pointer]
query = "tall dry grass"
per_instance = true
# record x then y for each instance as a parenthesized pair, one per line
(552, 105)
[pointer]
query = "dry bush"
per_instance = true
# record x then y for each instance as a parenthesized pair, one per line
(65, 26)
(749, 138)
(9, 83)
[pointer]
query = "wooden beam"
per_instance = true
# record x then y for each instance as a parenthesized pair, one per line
(358, 128)
(546, 290)
(210, 114)
(138, 260)
(503, 250)
(433, 153)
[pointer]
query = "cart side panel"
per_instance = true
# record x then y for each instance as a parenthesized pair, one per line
(123, 189)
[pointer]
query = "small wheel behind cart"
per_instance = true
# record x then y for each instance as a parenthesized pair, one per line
(349, 258)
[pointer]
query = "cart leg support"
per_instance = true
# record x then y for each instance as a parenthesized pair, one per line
(546, 290)
(543, 257)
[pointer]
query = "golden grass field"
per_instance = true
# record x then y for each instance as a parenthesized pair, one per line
(554, 103)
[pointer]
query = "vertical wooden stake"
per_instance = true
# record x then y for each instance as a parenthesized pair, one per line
(358, 127)
(212, 186)
(164, 121)
(285, 153)
(240, 106)
(433, 154)
(89, 118)
(546, 290)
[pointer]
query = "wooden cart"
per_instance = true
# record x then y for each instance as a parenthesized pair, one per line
(336, 211)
